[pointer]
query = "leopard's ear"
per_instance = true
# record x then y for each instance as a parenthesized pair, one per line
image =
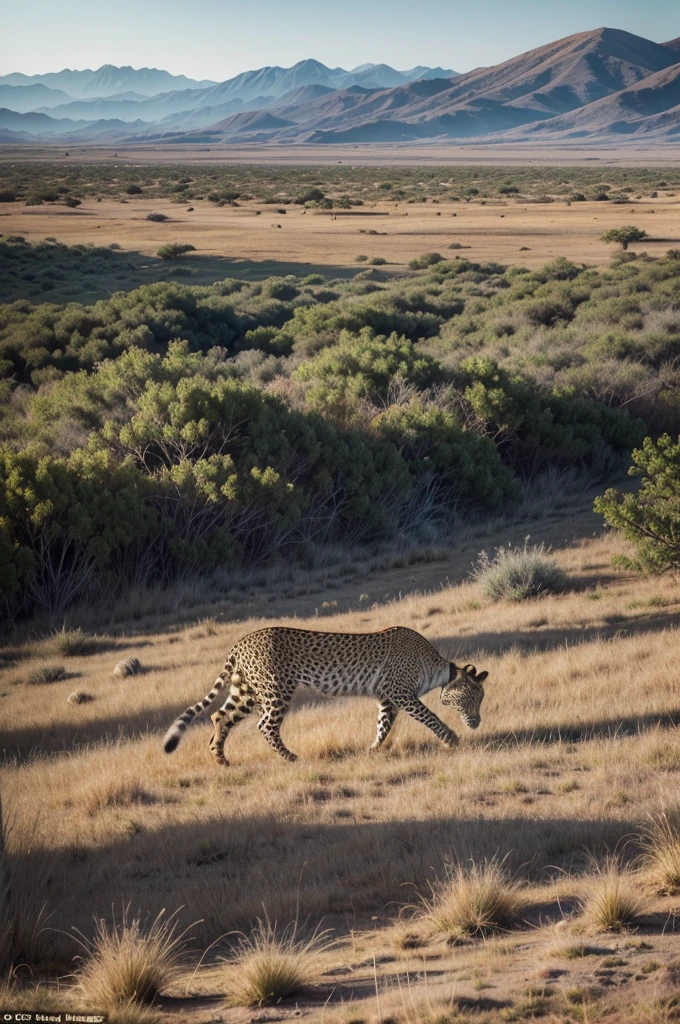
(481, 677)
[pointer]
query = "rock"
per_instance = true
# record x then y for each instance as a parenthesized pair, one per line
(80, 697)
(128, 667)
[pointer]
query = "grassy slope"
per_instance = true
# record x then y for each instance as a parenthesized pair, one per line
(578, 745)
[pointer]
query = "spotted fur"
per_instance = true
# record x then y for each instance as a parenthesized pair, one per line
(396, 665)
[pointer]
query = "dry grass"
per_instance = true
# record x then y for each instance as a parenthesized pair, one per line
(128, 963)
(661, 840)
(517, 233)
(612, 899)
(35, 997)
(24, 875)
(268, 966)
(577, 747)
(475, 899)
(69, 643)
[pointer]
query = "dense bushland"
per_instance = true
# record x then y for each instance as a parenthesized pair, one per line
(177, 430)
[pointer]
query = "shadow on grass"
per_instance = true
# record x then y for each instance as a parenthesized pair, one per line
(349, 874)
(477, 645)
(55, 277)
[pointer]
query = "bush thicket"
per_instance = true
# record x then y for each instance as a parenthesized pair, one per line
(174, 430)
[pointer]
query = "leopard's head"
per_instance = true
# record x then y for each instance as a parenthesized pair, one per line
(465, 693)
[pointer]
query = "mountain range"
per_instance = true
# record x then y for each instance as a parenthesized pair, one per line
(599, 85)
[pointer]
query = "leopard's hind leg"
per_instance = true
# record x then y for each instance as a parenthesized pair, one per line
(273, 711)
(238, 704)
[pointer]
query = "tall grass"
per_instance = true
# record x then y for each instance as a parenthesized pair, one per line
(128, 963)
(69, 643)
(475, 899)
(612, 899)
(661, 841)
(268, 966)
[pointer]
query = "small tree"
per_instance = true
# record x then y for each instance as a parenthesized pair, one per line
(651, 517)
(624, 236)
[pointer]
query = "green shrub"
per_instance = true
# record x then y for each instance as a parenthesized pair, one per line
(518, 573)
(650, 517)
(428, 259)
(174, 249)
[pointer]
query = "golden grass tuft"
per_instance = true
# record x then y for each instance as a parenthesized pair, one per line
(475, 899)
(268, 966)
(127, 964)
(69, 643)
(661, 841)
(113, 792)
(612, 900)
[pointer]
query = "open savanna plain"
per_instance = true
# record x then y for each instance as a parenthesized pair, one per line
(507, 214)
(577, 750)
(353, 381)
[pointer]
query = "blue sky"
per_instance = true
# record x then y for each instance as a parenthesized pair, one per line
(220, 38)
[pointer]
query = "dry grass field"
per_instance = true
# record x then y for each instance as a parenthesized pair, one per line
(578, 750)
(254, 241)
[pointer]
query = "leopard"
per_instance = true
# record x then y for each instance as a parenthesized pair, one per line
(396, 665)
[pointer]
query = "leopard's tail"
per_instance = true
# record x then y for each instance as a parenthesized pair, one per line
(229, 674)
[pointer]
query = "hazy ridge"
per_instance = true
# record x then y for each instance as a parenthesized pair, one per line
(595, 85)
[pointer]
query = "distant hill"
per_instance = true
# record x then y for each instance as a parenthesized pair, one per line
(24, 98)
(592, 85)
(533, 88)
(651, 106)
(42, 126)
(107, 80)
(176, 102)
